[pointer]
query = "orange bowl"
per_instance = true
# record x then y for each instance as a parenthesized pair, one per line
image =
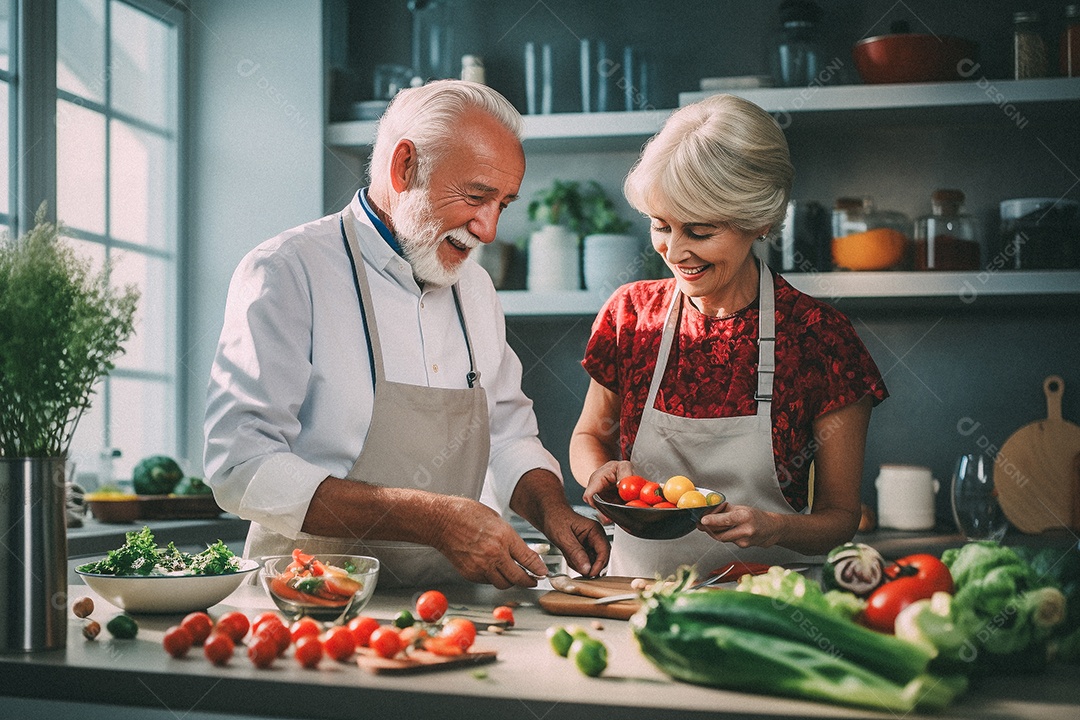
(912, 58)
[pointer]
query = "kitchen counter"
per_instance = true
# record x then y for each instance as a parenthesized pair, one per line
(527, 681)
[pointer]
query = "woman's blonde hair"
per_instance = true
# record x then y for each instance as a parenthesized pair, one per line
(722, 159)
(430, 115)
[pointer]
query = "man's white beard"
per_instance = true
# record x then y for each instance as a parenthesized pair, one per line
(417, 230)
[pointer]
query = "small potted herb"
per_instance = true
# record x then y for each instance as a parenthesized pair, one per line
(554, 247)
(612, 256)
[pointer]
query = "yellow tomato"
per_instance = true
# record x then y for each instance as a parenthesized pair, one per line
(691, 498)
(676, 486)
(714, 498)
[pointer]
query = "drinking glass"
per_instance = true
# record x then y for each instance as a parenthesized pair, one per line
(974, 501)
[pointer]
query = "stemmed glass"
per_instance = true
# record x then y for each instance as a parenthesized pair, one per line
(974, 501)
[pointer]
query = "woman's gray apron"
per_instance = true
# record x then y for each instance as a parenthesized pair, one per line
(733, 455)
(425, 438)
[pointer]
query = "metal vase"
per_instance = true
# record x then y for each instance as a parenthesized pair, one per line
(33, 554)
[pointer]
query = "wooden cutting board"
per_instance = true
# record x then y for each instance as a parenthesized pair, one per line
(1037, 471)
(419, 661)
(580, 602)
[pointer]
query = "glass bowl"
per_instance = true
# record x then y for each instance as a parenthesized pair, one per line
(652, 523)
(327, 588)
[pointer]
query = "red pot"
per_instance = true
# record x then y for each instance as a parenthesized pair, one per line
(912, 57)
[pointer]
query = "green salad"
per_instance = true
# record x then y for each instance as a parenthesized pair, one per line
(140, 556)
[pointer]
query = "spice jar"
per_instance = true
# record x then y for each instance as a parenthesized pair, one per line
(945, 239)
(1040, 234)
(1029, 47)
(1069, 47)
(868, 239)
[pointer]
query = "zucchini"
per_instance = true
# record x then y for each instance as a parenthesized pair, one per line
(754, 643)
(892, 658)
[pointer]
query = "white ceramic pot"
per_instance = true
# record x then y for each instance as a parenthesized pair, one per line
(906, 497)
(554, 260)
(611, 261)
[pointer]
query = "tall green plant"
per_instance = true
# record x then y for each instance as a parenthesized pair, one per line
(61, 328)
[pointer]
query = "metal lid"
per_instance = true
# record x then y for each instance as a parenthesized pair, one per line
(1029, 16)
(1020, 207)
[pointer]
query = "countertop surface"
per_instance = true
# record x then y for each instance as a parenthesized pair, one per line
(527, 681)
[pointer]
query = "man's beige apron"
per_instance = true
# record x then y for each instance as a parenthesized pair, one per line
(733, 455)
(425, 438)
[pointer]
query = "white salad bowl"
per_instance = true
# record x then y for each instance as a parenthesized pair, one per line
(161, 594)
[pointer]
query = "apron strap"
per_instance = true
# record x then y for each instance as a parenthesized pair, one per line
(766, 343)
(363, 294)
(671, 325)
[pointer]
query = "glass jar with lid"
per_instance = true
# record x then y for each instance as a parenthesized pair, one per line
(1069, 47)
(1029, 47)
(947, 239)
(865, 238)
(796, 56)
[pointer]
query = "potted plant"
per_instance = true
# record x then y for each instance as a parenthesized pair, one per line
(61, 327)
(612, 256)
(554, 248)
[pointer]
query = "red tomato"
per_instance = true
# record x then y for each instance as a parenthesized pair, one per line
(431, 606)
(234, 624)
(218, 648)
(199, 625)
(265, 617)
(664, 504)
(386, 642)
(362, 627)
(916, 577)
(442, 646)
(262, 650)
(177, 641)
(339, 643)
(637, 503)
(504, 614)
(309, 651)
(461, 631)
(630, 487)
(278, 633)
(303, 627)
(652, 493)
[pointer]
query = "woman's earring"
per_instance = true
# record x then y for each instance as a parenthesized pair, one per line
(761, 238)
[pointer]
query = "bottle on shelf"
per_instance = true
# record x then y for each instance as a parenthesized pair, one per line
(472, 68)
(1069, 46)
(946, 238)
(1029, 46)
(796, 55)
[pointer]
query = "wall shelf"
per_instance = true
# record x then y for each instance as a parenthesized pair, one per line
(962, 287)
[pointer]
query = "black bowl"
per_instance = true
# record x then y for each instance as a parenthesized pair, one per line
(652, 523)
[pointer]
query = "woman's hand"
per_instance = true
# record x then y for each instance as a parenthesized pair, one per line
(608, 474)
(743, 525)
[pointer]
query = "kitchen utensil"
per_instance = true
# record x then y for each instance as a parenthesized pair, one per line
(717, 577)
(419, 661)
(906, 497)
(1035, 472)
(975, 507)
(912, 57)
(158, 594)
(652, 523)
(362, 569)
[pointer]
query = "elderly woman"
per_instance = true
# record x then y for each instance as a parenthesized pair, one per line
(726, 373)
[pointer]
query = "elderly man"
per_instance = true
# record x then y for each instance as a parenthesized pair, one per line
(363, 388)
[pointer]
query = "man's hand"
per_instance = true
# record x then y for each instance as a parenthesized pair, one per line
(483, 547)
(539, 498)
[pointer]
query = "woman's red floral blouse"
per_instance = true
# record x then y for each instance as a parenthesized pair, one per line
(821, 365)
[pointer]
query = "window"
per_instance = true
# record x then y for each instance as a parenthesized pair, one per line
(7, 111)
(117, 119)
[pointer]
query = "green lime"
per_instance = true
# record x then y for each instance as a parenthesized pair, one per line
(404, 619)
(560, 640)
(589, 655)
(123, 627)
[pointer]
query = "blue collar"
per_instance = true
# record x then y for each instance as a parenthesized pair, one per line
(379, 224)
